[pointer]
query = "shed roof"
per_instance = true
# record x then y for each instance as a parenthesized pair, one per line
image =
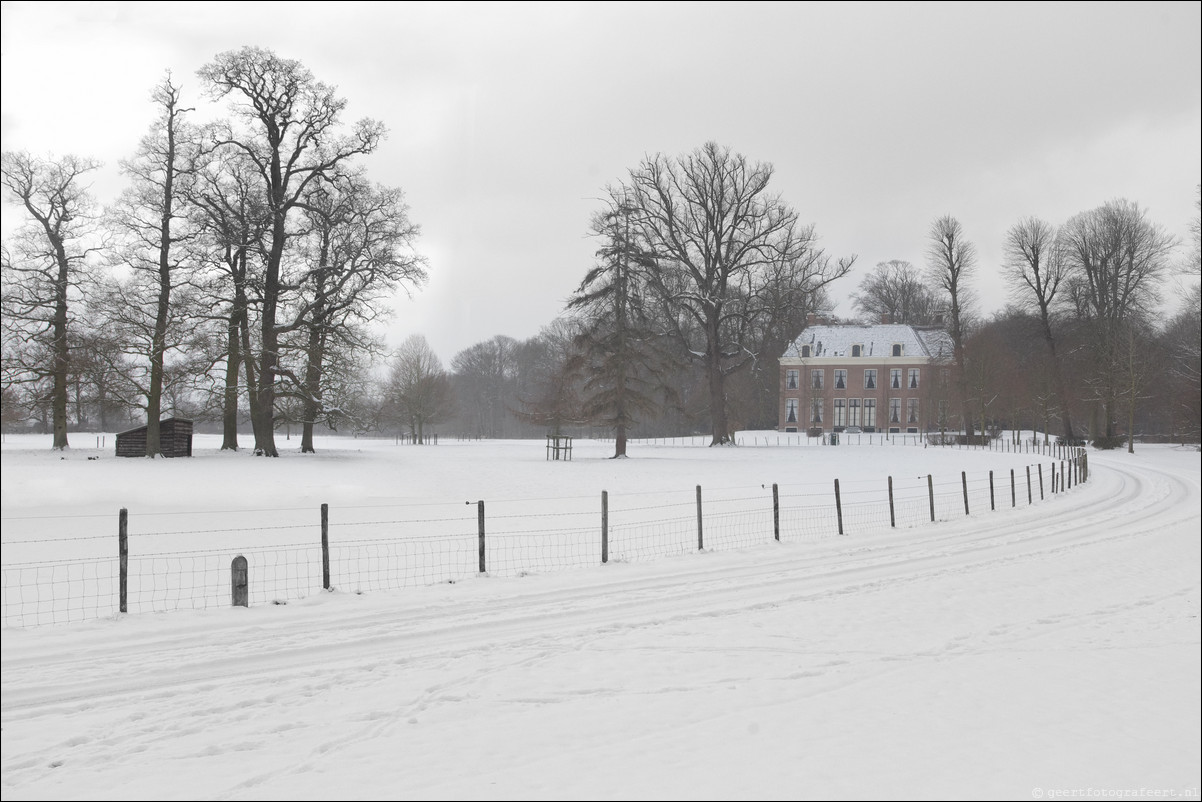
(161, 422)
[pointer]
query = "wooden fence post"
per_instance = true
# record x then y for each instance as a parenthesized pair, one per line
(700, 541)
(776, 511)
(931, 495)
(964, 483)
(604, 526)
(239, 582)
(991, 507)
(892, 519)
(838, 506)
(480, 529)
(1039, 467)
(325, 546)
(1013, 498)
(1028, 485)
(123, 552)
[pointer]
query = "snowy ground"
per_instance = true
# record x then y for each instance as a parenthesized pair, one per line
(1040, 651)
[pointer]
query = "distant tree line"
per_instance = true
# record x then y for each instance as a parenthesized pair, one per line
(240, 277)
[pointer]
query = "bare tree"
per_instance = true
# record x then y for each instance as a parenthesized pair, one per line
(719, 240)
(1116, 259)
(358, 250)
(951, 262)
(1036, 270)
(43, 267)
(419, 389)
(234, 220)
(548, 392)
(156, 242)
(484, 378)
(292, 138)
(895, 292)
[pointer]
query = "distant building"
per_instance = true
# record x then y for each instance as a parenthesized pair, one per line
(880, 378)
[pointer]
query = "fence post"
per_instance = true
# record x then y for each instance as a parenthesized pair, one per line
(776, 511)
(1063, 486)
(991, 507)
(1013, 503)
(604, 526)
(700, 541)
(892, 519)
(123, 551)
(838, 506)
(1039, 467)
(964, 483)
(325, 546)
(480, 529)
(239, 582)
(931, 495)
(1028, 485)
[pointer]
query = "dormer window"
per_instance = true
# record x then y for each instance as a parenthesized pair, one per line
(857, 350)
(805, 352)
(897, 349)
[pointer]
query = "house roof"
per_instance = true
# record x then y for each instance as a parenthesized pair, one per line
(877, 340)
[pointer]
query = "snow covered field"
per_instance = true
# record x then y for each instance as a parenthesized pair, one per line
(1028, 652)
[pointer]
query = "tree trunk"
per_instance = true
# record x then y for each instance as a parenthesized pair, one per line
(312, 405)
(717, 380)
(264, 409)
(619, 440)
(62, 357)
(154, 398)
(229, 403)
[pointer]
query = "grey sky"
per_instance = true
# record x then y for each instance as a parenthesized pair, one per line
(507, 120)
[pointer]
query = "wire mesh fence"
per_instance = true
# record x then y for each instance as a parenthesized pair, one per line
(181, 560)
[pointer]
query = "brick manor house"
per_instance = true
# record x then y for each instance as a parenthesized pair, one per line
(880, 378)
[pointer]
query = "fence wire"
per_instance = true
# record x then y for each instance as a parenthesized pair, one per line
(389, 547)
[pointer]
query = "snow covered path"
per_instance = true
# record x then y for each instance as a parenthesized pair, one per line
(1049, 647)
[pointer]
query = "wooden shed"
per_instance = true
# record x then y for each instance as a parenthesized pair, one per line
(175, 439)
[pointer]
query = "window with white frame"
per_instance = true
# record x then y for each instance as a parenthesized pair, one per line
(790, 410)
(816, 379)
(857, 350)
(840, 412)
(895, 410)
(805, 351)
(869, 413)
(912, 411)
(840, 379)
(791, 379)
(816, 410)
(913, 382)
(853, 412)
(897, 349)
(895, 378)
(870, 379)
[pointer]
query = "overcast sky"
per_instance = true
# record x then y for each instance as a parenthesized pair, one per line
(507, 120)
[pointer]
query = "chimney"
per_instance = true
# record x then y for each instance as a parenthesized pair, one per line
(812, 319)
(886, 318)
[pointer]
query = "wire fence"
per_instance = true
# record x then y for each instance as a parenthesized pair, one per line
(154, 562)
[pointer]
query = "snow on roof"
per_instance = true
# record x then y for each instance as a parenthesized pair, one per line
(878, 341)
